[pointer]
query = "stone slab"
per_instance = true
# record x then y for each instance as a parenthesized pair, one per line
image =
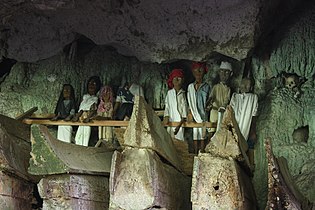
(15, 193)
(74, 191)
(140, 180)
(219, 183)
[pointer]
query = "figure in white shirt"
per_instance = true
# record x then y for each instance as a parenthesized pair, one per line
(175, 104)
(197, 95)
(245, 105)
(87, 110)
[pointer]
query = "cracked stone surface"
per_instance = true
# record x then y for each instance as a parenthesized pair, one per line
(153, 31)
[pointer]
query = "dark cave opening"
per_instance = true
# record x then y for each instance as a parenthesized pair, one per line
(6, 66)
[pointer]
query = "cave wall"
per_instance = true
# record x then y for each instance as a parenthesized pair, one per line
(39, 84)
(288, 120)
(289, 49)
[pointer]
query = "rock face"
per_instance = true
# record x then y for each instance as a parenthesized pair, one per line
(16, 184)
(74, 192)
(281, 114)
(282, 190)
(287, 51)
(30, 85)
(150, 30)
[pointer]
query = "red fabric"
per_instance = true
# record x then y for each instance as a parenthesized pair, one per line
(198, 65)
(173, 74)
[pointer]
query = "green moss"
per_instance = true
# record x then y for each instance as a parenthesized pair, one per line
(43, 159)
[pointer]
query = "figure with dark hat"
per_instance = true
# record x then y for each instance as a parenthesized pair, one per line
(65, 110)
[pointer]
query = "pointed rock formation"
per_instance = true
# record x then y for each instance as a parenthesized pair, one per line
(145, 130)
(219, 181)
(147, 173)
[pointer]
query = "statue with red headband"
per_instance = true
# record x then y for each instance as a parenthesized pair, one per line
(197, 95)
(175, 104)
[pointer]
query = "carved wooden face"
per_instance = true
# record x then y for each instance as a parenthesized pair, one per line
(224, 75)
(66, 92)
(106, 97)
(198, 73)
(290, 82)
(246, 85)
(178, 82)
(92, 87)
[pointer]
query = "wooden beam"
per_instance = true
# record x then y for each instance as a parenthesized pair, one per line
(112, 123)
(27, 113)
(159, 113)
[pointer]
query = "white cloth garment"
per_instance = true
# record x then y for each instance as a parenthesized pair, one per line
(192, 102)
(82, 136)
(87, 102)
(176, 109)
(245, 106)
(64, 133)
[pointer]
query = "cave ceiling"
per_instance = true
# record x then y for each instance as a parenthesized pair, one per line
(153, 31)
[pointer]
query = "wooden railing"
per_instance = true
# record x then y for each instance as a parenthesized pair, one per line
(112, 123)
(44, 119)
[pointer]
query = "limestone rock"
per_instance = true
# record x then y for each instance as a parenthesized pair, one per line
(186, 158)
(140, 180)
(219, 183)
(73, 191)
(282, 190)
(15, 193)
(280, 115)
(153, 31)
(51, 156)
(228, 141)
